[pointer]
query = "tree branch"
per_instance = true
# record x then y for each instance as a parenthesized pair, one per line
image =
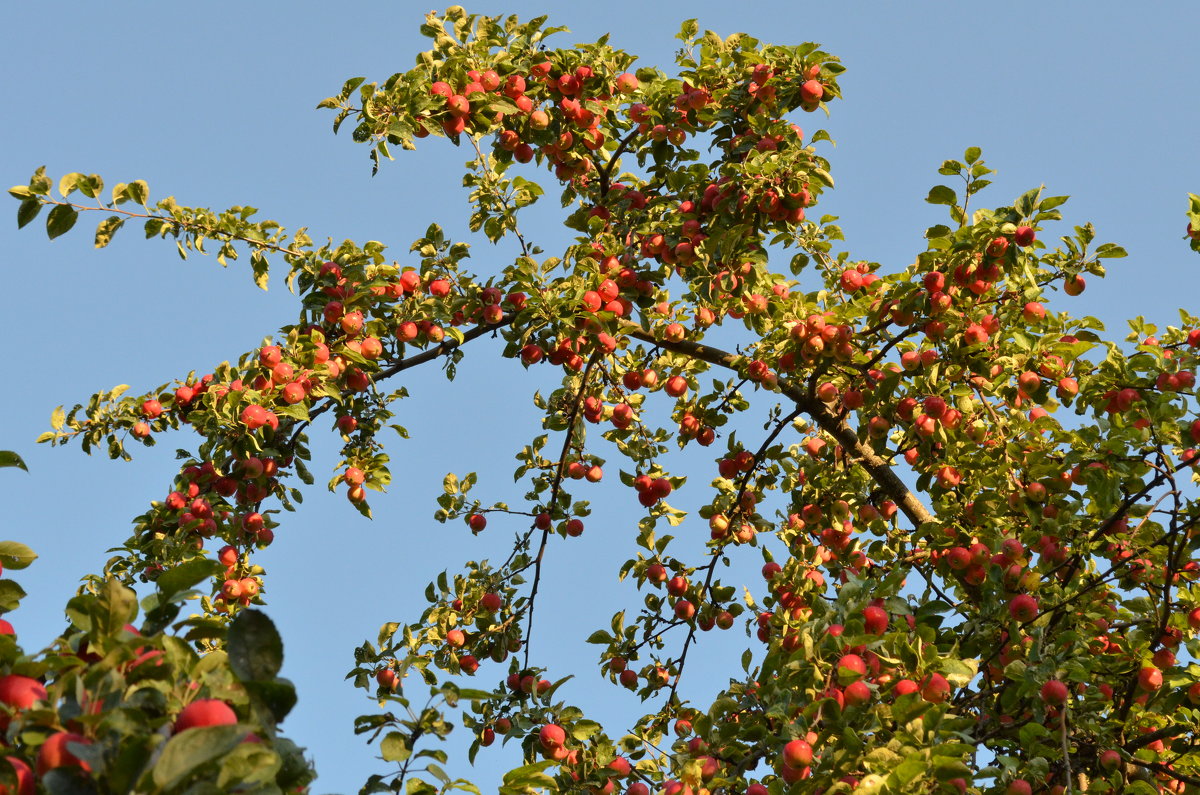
(876, 466)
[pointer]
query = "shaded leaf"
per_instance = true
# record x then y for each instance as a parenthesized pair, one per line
(10, 459)
(254, 647)
(60, 220)
(192, 748)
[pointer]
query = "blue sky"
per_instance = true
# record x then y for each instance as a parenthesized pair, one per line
(214, 104)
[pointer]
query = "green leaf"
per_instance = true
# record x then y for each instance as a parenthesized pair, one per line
(1028, 201)
(823, 176)
(277, 695)
(106, 229)
(15, 555)
(10, 459)
(395, 747)
(523, 778)
(68, 781)
(114, 607)
(972, 154)
(192, 748)
(940, 194)
(254, 647)
(583, 729)
(138, 191)
(60, 220)
(260, 268)
(11, 595)
(184, 576)
(28, 211)
(66, 185)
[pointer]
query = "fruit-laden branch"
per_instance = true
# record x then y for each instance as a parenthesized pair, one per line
(829, 422)
(716, 553)
(1166, 771)
(442, 349)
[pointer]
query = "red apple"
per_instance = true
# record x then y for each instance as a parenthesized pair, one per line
(797, 754)
(876, 620)
(19, 693)
(54, 753)
(204, 712)
(1150, 678)
(935, 688)
(676, 386)
(857, 693)
(851, 667)
(552, 736)
(1023, 608)
(24, 776)
(1054, 692)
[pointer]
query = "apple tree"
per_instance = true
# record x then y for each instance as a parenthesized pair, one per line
(975, 514)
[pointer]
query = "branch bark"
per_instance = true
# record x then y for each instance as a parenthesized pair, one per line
(838, 428)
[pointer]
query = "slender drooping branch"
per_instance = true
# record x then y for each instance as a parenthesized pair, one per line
(572, 418)
(716, 553)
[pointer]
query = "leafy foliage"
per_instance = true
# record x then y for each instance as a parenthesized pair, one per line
(977, 516)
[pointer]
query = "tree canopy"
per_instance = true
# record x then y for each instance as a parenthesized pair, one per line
(973, 511)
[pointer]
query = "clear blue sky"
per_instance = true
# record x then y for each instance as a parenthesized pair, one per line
(213, 103)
